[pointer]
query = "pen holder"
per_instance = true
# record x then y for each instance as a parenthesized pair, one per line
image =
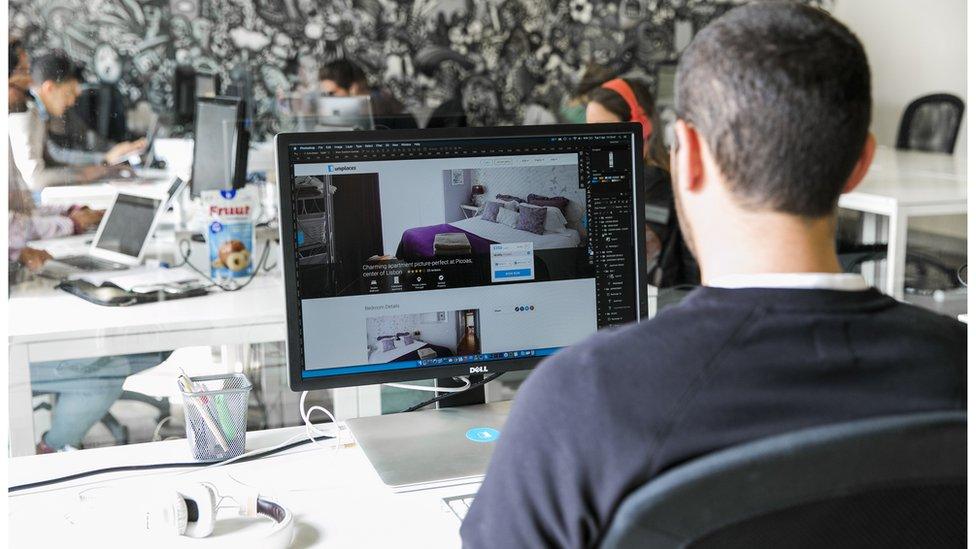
(216, 416)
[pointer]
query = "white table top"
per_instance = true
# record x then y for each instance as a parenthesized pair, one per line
(337, 498)
(910, 178)
(30, 306)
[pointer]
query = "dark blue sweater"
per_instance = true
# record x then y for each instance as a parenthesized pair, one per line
(598, 420)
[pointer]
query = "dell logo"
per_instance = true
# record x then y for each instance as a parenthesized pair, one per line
(478, 370)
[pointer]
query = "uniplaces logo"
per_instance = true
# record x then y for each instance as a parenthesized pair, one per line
(330, 168)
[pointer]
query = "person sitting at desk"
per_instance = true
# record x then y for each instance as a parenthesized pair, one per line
(344, 78)
(85, 388)
(27, 222)
(54, 89)
(773, 103)
(669, 261)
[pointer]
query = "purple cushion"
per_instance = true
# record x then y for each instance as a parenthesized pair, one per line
(491, 211)
(532, 220)
(407, 340)
(554, 201)
(508, 198)
(387, 345)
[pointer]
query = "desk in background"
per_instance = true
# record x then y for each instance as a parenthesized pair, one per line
(901, 185)
(337, 498)
(48, 324)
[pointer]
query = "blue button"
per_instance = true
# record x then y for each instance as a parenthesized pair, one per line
(482, 434)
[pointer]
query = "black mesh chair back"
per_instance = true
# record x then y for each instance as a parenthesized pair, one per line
(883, 482)
(931, 123)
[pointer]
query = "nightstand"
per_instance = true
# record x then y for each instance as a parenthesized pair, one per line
(468, 210)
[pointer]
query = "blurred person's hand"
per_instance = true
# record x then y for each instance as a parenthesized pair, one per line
(86, 218)
(33, 258)
(118, 153)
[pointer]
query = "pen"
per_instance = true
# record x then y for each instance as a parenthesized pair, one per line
(214, 429)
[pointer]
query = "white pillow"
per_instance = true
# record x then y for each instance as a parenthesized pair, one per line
(398, 343)
(511, 204)
(555, 220)
(507, 217)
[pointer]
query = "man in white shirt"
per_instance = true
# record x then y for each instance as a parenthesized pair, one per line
(54, 89)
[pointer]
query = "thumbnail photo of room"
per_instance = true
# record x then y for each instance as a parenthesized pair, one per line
(422, 336)
(543, 205)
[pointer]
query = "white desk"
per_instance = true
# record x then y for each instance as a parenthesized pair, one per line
(337, 498)
(79, 329)
(901, 185)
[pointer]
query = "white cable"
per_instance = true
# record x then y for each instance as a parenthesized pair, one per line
(432, 389)
(311, 427)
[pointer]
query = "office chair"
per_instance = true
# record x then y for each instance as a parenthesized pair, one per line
(895, 481)
(119, 432)
(931, 123)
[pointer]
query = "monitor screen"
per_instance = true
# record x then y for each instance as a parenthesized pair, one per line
(456, 251)
(215, 144)
(128, 224)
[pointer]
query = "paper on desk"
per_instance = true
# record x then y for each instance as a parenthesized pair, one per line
(138, 276)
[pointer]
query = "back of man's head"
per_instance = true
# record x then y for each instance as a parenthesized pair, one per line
(781, 95)
(343, 72)
(55, 67)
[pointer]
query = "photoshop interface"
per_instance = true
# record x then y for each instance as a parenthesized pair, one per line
(400, 250)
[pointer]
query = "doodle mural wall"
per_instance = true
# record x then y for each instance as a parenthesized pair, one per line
(499, 55)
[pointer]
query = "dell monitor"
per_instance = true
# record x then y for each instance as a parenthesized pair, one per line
(421, 254)
(220, 145)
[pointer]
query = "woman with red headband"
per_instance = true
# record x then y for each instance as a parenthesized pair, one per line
(669, 260)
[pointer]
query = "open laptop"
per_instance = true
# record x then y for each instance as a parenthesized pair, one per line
(122, 236)
(345, 113)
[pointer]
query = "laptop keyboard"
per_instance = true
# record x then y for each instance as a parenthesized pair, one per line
(459, 505)
(89, 263)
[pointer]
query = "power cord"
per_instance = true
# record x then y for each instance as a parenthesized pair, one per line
(185, 256)
(438, 398)
(122, 468)
(434, 389)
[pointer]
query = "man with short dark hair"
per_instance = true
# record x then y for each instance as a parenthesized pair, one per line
(773, 101)
(54, 89)
(343, 78)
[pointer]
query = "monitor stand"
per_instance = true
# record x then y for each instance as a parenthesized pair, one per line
(432, 448)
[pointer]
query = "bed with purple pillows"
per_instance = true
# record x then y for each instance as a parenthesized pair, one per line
(502, 220)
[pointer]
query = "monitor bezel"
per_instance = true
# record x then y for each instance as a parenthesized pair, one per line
(287, 240)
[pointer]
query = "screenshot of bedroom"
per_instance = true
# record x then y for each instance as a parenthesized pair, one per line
(437, 252)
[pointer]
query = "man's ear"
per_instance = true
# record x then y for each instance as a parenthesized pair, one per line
(687, 157)
(863, 164)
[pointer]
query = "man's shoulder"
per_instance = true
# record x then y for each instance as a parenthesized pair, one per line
(669, 348)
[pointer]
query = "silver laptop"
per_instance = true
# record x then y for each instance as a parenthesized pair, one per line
(122, 237)
(351, 113)
(399, 445)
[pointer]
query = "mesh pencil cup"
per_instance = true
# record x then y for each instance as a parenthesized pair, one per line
(216, 416)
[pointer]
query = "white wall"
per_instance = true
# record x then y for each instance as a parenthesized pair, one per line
(915, 47)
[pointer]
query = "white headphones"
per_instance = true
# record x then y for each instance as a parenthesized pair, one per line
(191, 511)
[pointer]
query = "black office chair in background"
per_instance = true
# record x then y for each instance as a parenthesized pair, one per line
(882, 482)
(931, 123)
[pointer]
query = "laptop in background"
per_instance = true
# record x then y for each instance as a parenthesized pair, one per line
(122, 236)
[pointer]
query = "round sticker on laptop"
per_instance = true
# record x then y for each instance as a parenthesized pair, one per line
(482, 434)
